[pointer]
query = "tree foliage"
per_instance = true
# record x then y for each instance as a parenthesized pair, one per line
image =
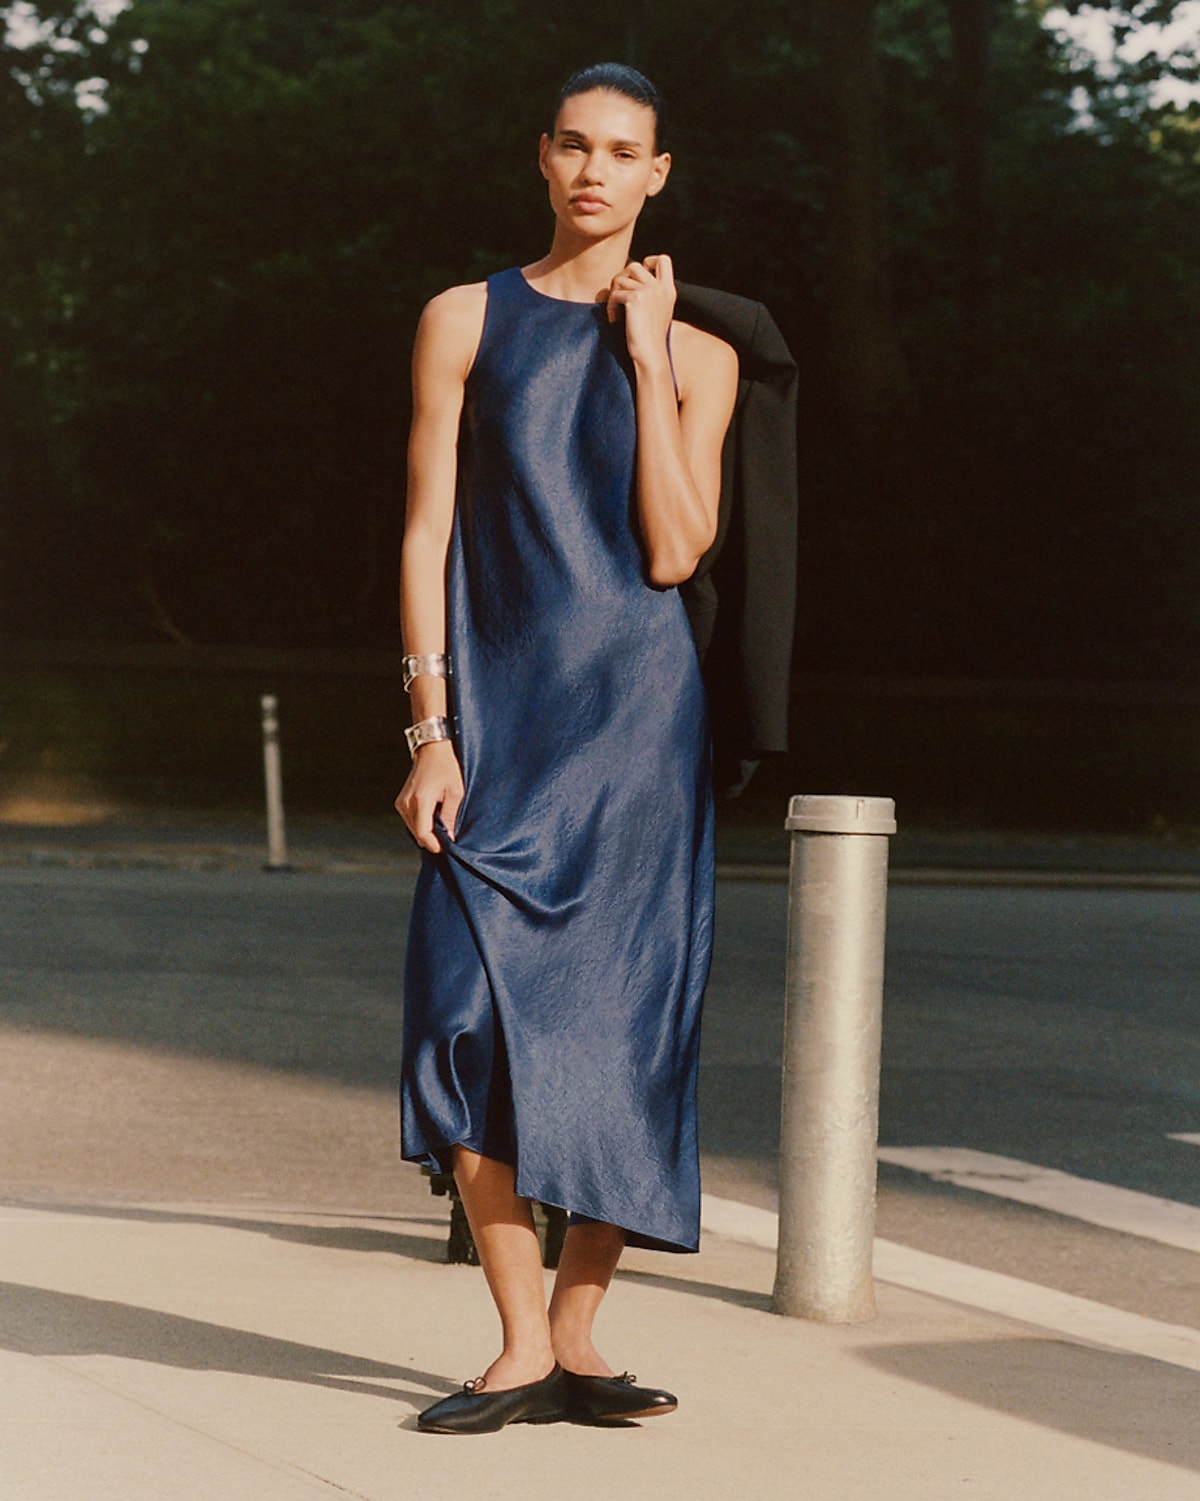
(981, 245)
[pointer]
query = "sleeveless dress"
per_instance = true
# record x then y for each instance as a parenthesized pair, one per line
(559, 946)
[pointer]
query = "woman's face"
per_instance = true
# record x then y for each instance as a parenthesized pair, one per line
(600, 163)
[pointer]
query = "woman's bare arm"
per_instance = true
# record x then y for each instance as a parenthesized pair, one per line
(447, 338)
(679, 438)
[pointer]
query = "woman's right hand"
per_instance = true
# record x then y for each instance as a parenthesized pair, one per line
(434, 782)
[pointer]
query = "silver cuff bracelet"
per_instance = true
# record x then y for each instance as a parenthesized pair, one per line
(435, 665)
(425, 732)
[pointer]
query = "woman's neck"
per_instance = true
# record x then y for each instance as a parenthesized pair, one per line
(579, 271)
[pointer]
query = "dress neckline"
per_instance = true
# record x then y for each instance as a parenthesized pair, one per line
(546, 297)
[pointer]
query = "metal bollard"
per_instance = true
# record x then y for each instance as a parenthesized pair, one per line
(276, 837)
(837, 905)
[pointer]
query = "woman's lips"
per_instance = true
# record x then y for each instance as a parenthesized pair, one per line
(587, 205)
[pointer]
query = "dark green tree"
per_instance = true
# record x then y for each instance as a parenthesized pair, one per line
(981, 245)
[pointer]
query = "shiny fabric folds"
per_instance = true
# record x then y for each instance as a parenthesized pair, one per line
(559, 946)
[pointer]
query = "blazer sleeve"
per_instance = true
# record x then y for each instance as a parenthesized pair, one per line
(742, 599)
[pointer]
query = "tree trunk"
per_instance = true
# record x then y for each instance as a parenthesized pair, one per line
(865, 354)
(971, 26)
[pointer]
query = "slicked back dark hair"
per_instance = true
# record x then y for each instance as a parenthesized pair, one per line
(616, 78)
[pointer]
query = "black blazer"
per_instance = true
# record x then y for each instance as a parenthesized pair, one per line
(741, 601)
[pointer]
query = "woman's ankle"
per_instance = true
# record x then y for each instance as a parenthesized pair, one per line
(579, 1354)
(519, 1367)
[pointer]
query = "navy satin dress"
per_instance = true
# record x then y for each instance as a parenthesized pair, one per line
(560, 945)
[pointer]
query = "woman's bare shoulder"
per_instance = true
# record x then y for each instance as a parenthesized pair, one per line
(456, 307)
(458, 302)
(452, 323)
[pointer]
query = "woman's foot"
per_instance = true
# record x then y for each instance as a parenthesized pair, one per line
(580, 1356)
(478, 1409)
(614, 1399)
(513, 1368)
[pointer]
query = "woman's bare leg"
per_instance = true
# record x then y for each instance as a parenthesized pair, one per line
(589, 1258)
(502, 1225)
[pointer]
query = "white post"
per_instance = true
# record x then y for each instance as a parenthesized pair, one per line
(276, 837)
(837, 904)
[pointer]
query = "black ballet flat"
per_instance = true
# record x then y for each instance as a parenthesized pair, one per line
(614, 1399)
(473, 1410)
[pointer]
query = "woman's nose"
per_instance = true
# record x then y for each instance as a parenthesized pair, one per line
(592, 171)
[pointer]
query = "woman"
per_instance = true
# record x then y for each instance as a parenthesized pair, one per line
(564, 479)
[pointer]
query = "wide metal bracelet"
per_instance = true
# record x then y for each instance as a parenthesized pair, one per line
(425, 732)
(435, 665)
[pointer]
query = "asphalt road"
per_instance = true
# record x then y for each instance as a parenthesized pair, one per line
(234, 1036)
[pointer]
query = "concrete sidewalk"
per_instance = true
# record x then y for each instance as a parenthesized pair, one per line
(155, 1350)
(170, 1352)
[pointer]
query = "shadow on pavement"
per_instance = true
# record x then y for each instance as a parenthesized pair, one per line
(343, 1237)
(40, 1322)
(337, 1237)
(738, 1296)
(1127, 1402)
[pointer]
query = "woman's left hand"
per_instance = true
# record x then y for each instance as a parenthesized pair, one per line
(645, 290)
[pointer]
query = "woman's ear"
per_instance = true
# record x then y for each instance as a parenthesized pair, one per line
(543, 149)
(658, 174)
